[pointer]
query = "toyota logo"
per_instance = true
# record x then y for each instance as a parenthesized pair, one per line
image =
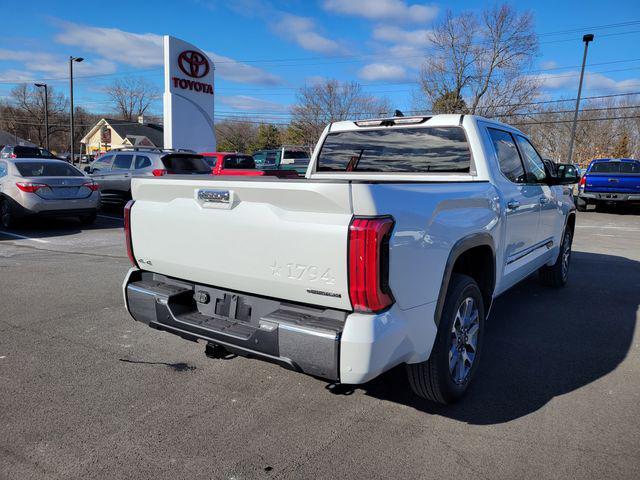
(193, 63)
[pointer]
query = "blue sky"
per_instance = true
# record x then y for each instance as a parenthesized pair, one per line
(265, 50)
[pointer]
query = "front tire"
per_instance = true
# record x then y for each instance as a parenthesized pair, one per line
(557, 274)
(446, 375)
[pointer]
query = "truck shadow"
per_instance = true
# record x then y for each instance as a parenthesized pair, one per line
(541, 343)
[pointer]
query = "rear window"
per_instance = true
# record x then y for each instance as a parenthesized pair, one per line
(615, 167)
(185, 164)
(295, 154)
(239, 162)
(31, 152)
(47, 169)
(431, 149)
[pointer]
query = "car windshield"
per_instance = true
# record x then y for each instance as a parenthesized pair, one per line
(615, 167)
(426, 149)
(47, 169)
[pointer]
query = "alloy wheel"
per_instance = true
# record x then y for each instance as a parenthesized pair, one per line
(464, 340)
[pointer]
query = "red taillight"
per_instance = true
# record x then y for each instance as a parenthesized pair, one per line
(583, 180)
(369, 263)
(91, 186)
(31, 187)
(13, 155)
(159, 172)
(127, 231)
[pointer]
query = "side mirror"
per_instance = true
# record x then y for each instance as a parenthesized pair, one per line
(87, 169)
(567, 174)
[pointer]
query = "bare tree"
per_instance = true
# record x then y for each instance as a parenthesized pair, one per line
(478, 62)
(24, 114)
(236, 135)
(331, 101)
(132, 96)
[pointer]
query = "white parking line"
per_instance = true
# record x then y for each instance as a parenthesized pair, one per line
(22, 237)
(112, 218)
(627, 229)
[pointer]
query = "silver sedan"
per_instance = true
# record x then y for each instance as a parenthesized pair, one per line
(30, 186)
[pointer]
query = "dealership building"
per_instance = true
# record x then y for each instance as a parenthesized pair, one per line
(111, 133)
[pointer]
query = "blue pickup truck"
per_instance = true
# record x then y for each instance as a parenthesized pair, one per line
(609, 180)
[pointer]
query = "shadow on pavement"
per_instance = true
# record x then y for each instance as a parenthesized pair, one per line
(541, 343)
(44, 227)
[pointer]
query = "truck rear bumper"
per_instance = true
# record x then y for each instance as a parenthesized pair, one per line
(332, 344)
(610, 196)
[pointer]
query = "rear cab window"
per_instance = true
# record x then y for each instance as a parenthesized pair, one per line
(239, 162)
(185, 164)
(47, 169)
(615, 167)
(412, 150)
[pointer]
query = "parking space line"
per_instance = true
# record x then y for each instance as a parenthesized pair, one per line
(112, 218)
(22, 237)
(626, 229)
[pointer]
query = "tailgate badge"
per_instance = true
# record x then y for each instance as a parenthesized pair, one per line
(215, 196)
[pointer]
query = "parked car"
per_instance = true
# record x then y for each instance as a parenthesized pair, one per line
(609, 180)
(22, 151)
(113, 170)
(228, 163)
(35, 186)
(390, 251)
(284, 158)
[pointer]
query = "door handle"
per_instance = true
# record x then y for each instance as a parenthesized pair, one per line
(544, 200)
(513, 204)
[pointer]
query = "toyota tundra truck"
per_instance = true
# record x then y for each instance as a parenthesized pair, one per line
(389, 251)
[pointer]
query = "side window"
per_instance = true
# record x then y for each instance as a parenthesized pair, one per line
(3, 169)
(103, 163)
(532, 161)
(142, 162)
(122, 162)
(508, 157)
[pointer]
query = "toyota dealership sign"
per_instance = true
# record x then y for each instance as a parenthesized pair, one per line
(188, 97)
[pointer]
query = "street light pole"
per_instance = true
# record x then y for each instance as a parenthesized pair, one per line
(46, 113)
(586, 39)
(71, 60)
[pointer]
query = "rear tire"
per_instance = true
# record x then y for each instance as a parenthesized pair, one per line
(557, 274)
(88, 219)
(446, 375)
(7, 219)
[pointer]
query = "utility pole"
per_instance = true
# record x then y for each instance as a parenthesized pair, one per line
(71, 60)
(586, 39)
(46, 113)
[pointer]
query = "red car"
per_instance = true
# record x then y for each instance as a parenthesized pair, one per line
(229, 163)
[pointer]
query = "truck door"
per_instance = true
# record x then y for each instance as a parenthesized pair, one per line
(521, 204)
(551, 215)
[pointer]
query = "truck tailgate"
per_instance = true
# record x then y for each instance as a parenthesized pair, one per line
(280, 239)
(612, 182)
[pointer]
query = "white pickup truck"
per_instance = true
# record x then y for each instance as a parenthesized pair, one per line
(390, 251)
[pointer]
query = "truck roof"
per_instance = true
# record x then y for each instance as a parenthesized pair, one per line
(448, 119)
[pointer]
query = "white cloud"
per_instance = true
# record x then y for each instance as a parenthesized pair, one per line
(382, 71)
(40, 65)
(592, 81)
(389, 33)
(250, 104)
(144, 50)
(302, 30)
(386, 10)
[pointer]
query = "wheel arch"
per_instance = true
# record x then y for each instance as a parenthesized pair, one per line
(472, 255)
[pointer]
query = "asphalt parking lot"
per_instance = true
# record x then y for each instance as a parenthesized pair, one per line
(88, 393)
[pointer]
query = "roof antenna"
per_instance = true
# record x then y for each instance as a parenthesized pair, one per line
(398, 113)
